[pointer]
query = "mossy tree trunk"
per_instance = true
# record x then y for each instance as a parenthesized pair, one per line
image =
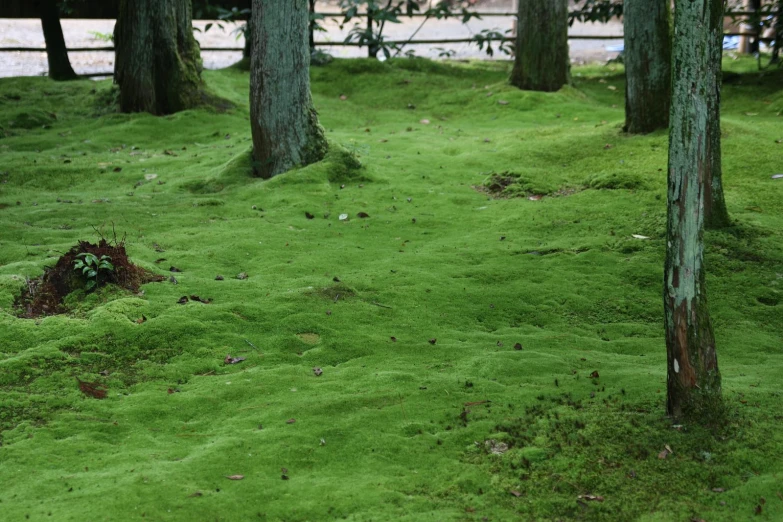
(56, 53)
(694, 382)
(158, 61)
(648, 51)
(283, 121)
(541, 60)
(716, 215)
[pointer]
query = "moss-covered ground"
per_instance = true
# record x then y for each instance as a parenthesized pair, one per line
(482, 358)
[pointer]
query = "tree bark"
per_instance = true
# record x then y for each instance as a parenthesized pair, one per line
(541, 61)
(648, 51)
(56, 53)
(716, 215)
(283, 121)
(693, 382)
(158, 61)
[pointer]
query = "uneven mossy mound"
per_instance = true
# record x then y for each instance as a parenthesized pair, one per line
(45, 295)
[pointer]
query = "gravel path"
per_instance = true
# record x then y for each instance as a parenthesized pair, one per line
(83, 33)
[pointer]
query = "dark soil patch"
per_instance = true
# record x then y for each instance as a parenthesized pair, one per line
(45, 295)
(504, 185)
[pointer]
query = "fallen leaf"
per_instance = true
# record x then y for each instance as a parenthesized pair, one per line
(290, 421)
(662, 455)
(235, 477)
(611, 87)
(343, 97)
(424, 122)
(343, 217)
(150, 177)
(515, 493)
(183, 299)
(608, 146)
(233, 360)
(363, 215)
(95, 389)
(169, 153)
(141, 319)
(594, 375)
(317, 371)
(433, 341)
(535, 197)
(242, 275)
(718, 490)
(518, 346)
(637, 236)
(502, 102)
(309, 215)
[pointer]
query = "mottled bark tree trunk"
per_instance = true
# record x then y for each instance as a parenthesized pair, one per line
(158, 61)
(648, 54)
(56, 53)
(694, 382)
(283, 121)
(716, 215)
(541, 61)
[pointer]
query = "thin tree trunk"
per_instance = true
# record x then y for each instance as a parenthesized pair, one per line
(716, 215)
(647, 29)
(248, 39)
(541, 61)
(312, 26)
(158, 61)
(694, 382)
(56, 53)
(283, 121)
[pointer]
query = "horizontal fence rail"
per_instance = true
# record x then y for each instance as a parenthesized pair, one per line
(324, 43)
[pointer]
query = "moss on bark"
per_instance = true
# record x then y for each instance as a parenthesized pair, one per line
(158, 61)
(647, 29)
(694, 381)
(284, 123)
(541, 61)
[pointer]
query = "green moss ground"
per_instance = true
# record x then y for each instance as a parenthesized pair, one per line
(384, 433)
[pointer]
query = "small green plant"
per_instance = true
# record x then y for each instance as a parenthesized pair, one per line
(92, 267)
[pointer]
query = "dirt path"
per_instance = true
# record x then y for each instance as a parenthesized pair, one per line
(85, 33)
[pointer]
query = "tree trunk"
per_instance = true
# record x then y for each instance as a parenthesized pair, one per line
(694, 382)
(248, 39)
(283, 121)
(311, 26)
(56, 53)
(716, 215)
(541, 62)
(648, 51)
(158, 61)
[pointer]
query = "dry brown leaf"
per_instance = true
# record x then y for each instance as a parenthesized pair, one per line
(235, 477)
